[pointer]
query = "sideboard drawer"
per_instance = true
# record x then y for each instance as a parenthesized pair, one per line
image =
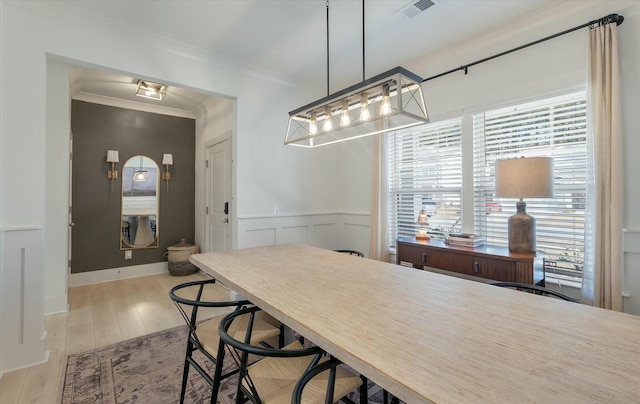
(497, 270)
(451, 261)
(421, 257)
(411, 254)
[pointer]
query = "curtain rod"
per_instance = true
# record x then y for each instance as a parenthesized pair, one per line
(618, 19)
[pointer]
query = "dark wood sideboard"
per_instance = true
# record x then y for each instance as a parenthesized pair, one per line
(489, 262)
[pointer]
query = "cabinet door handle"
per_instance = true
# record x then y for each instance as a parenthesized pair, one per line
(476, 267)
(424, 258)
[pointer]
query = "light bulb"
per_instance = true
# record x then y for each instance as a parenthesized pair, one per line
(140, 176)
(313, 125)
(385, 108)
(364, 107)
(327, 120)
(344, 118)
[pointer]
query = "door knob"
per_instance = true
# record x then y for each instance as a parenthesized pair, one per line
(72, 224)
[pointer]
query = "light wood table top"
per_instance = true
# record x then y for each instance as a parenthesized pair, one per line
(428, 337)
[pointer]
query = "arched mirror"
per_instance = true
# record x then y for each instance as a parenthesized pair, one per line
(139, 226)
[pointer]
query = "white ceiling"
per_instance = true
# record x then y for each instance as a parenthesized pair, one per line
(287, 38)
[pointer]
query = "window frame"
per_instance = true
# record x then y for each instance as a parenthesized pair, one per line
(406, 193)
(556, 267)
(550, 126)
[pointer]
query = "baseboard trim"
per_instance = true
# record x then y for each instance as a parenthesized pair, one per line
(56, 304)
(113, 274)
(28, 365)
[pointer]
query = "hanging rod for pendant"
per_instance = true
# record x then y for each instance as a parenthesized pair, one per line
(363, 76)
(618, 19)
(328, 48)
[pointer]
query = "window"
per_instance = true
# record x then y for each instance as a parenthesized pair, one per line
(554, 127)
(424, 172)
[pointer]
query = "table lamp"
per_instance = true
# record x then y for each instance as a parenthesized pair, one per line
(524, 178)
(422, 221)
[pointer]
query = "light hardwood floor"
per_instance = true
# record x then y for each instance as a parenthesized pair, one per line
(99, 315)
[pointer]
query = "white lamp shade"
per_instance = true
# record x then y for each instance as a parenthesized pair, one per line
(112, 156)
(422, 218)
(167, 159)
(524, 178)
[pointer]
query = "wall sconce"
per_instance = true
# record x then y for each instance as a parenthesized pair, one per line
(113, 158)
(422, 221)
(167, 160)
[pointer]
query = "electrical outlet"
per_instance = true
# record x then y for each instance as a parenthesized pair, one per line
(128, 254)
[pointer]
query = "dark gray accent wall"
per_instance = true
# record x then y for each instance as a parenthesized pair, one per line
(96, 210)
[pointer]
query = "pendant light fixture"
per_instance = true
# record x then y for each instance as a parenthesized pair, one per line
(154, 91)
(389, 101)
(140, 174)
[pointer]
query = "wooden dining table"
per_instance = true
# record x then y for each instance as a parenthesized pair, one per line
(431, 338)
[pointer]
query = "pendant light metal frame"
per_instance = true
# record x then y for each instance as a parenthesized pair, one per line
(389, 101)
(406, 109)
(154, 91)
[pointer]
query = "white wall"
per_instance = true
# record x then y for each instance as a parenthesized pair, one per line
(213, 123)
(38, 40)
(356, 170)
(22, 336)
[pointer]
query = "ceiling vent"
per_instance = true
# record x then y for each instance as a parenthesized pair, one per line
(414, 8)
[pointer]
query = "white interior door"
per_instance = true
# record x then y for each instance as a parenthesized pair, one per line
(218, 196)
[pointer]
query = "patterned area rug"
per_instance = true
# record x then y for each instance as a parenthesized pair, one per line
(147, 369)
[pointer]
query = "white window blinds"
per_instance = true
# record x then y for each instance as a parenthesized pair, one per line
(424, 172)
(554, 127)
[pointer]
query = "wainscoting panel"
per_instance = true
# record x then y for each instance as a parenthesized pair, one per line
(294, 234)
(22, 326)
(325, 234)
(356, 230)
(259, 237)
(325, 230)
(631, 267)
